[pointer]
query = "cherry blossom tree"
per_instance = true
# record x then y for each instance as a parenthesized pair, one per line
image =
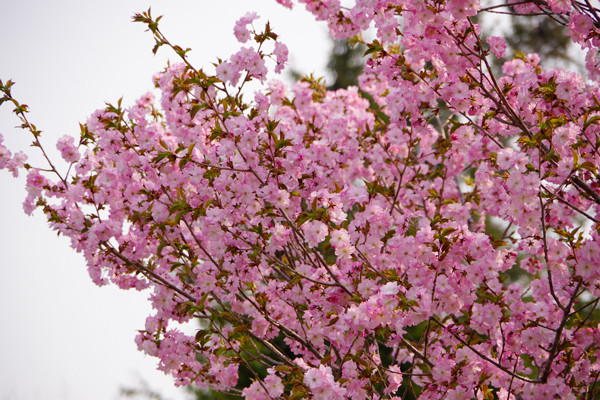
(332, 243)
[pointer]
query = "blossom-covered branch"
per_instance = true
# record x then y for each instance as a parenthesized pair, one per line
(335, 244)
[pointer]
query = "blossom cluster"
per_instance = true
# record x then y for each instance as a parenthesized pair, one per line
(336, 244)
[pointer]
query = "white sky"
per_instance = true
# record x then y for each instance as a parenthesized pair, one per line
(61, 337)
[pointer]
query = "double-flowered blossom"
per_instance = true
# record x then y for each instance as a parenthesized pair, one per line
(432, 234)
(10, 161)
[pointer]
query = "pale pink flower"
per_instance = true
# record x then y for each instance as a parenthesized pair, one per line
(240, 30)
(67, 149)
(497, 46)
(314, 232)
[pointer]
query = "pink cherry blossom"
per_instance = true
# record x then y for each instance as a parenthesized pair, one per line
(497, 46)
(240, 30)
(432, 234)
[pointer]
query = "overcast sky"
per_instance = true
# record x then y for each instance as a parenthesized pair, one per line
(61, 337)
